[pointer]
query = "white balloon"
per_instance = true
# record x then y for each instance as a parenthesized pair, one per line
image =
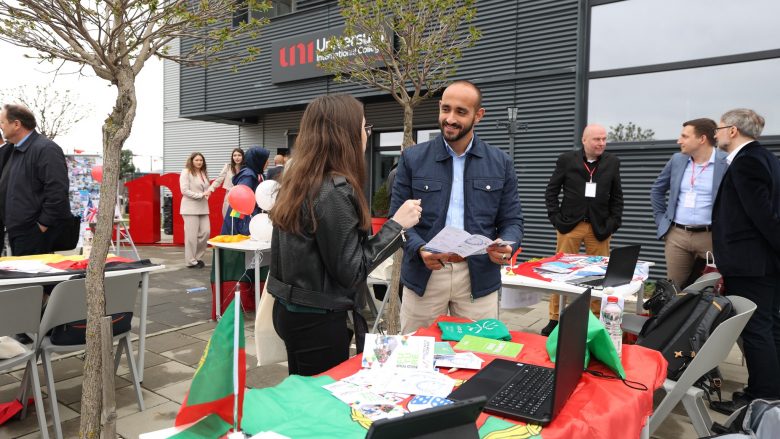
(260, 228)
(265, 194)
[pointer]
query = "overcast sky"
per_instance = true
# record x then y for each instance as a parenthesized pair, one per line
(97, 98)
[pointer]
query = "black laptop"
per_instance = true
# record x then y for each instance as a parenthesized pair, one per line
(453, 421)
(533, 393)
(620, 269)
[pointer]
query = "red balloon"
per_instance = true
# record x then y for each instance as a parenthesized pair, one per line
(97, 173)
(242, 199)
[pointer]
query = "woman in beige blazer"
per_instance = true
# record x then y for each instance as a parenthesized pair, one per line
(225, 177)
(195, 191)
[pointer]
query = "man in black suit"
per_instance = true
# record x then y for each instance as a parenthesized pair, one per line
(746, 242)
(592, 206)
(35, 182)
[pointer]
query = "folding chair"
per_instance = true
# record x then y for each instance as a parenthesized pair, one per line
(20, 311)
(711, 354)
(68, 304)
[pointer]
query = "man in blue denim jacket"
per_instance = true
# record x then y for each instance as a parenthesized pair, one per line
(462, 182)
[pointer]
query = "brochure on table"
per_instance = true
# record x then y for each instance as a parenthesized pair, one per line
(571, 266)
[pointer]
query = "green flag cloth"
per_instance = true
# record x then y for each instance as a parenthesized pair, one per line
(211, 390)
(495, 428)
(486, 328)
(599, 344)
(300, 408)
(210, 426)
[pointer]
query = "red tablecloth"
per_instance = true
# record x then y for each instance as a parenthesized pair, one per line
(598, 408)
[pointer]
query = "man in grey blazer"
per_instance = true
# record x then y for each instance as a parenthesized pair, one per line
(691, 178)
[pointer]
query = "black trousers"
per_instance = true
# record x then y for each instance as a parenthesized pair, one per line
(31, 241)
(314, 342)
(761, 336)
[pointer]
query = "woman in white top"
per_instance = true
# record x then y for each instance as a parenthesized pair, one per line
(225, 177)
(195, 190)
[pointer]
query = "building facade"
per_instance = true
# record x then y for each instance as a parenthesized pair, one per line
(650, 64)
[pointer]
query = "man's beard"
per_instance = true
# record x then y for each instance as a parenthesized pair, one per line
(463, 131)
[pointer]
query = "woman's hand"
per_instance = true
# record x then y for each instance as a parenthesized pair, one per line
(408, 215)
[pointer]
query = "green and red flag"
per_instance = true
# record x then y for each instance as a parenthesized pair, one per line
(213, 388)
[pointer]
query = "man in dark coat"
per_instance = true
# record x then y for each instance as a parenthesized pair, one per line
(746, 242)
(592, 206)
(35, 182)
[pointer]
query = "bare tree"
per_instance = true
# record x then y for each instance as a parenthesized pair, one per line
(114, 39)
(408, 48)
(56, 111)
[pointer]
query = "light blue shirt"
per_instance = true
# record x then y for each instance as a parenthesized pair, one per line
(21, 142)
(457, 204)
(701, 213)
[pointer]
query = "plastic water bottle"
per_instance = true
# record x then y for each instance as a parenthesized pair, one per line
(612, 317)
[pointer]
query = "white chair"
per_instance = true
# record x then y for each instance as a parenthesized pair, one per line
(711, 354)
(68, 304)
(704, 281)
(20, 311)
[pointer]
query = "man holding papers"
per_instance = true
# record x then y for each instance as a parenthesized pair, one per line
(466, 184)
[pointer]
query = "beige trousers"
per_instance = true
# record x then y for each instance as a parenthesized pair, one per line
(448, 291)
(571, 243)
(681, 249)
(196, 233)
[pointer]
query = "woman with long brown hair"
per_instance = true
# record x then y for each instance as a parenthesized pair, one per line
(320, 250)
(225, 177)
(195, 191)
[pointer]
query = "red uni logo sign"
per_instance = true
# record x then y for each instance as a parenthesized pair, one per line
(305, 54)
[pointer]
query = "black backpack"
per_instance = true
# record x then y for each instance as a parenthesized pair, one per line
(665, 290)
(680, 329)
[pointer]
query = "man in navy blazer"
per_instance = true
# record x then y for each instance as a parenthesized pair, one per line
(691, 178)
(464, 183)
(746, 240)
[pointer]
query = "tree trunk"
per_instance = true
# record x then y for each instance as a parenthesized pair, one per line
(393, 311)
(116, 130)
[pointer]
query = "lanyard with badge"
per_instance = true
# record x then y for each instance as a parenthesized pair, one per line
(590, 186)
(690, 197)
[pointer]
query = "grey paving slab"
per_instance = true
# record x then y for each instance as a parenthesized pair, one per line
(174, 392)
(266, 376)
(165, 374)
(199, 328)
(29, 425)
(64, 369)
(126, 404)
(166, 342)
(7, 378)
(152, 359)
(69, 391)
(189, 355)
(152, 419)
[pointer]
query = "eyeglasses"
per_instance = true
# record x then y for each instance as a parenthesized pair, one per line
(368, 129)
(727, 126)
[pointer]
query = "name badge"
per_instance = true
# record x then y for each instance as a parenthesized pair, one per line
(690, 200)
(590, 190)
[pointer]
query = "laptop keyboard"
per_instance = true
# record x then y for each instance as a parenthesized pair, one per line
(526, 392)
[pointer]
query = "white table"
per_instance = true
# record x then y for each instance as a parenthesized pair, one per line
(531, 285)
(261, 250)
(6, 284)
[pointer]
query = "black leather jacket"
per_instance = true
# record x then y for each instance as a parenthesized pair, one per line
(323, 269)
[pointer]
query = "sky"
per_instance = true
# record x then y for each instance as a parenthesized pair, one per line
(96, 97)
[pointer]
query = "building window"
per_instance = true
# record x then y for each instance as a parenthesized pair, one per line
(656, 63)
(662, 101)
(278, 7)
(645, 32)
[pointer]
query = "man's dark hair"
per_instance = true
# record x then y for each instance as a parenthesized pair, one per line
(21, 113)
(474, 86)
(703, 127)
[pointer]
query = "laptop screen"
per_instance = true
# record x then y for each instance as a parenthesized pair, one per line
(570, 353)
(622, 262)
(453, 421)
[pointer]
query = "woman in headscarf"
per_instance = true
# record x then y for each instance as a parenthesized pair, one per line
(233, 265)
